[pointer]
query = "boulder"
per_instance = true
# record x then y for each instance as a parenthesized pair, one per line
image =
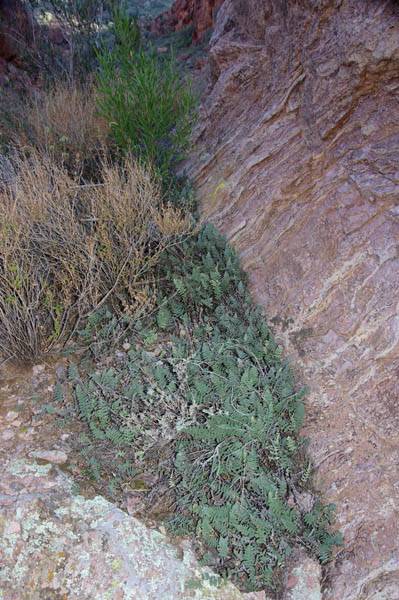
(296, 162)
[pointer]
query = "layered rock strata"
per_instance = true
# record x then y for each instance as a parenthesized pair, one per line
(296, 163)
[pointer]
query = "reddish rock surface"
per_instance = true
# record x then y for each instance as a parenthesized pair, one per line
(199, 13)
(302, 578)
(16, 36)
(15, 29)
(297, 163)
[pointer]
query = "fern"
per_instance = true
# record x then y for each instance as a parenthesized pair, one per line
(164, 318)
(205, 378)
(98, 433)
(248, 561)
(223, 547)
(306, 473)
(84, 403)
(299, 414)
(72, 372)
(95, 468)
(58, 393)
(180, 287)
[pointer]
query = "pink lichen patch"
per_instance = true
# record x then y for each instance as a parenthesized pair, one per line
(13, 528)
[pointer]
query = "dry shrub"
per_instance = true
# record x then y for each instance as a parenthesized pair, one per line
(66, 249)
(7, 171)
(14, 110)
(62, 124)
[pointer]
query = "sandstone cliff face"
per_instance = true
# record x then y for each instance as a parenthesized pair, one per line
(297, 163)
(199, 13)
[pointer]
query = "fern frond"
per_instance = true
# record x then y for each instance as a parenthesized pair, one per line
(58, 393)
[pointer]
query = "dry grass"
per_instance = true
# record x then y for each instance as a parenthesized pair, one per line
(66, 249)
(61, 124)
(14, 109)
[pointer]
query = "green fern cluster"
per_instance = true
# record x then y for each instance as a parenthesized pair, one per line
(234, 472)
(206, 379)
(148, 399)
(203, 277)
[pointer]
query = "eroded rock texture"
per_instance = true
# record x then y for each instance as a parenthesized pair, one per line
(55, 545)
(297, 163)
(199, 13)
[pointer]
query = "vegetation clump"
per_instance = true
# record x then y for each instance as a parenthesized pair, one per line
(67, 248)
(150, 111)
(97, 242)
(61, 124)
(205, 394)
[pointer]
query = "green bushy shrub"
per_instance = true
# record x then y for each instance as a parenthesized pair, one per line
(150, 111)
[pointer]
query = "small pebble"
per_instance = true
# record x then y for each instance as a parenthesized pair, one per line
(61, 372)
(126, 346)
(25, 435)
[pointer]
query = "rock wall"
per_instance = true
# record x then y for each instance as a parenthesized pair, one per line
(16, 36)
(183, 13)
(296, 161)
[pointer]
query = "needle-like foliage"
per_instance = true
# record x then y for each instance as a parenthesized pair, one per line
(151, 112)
